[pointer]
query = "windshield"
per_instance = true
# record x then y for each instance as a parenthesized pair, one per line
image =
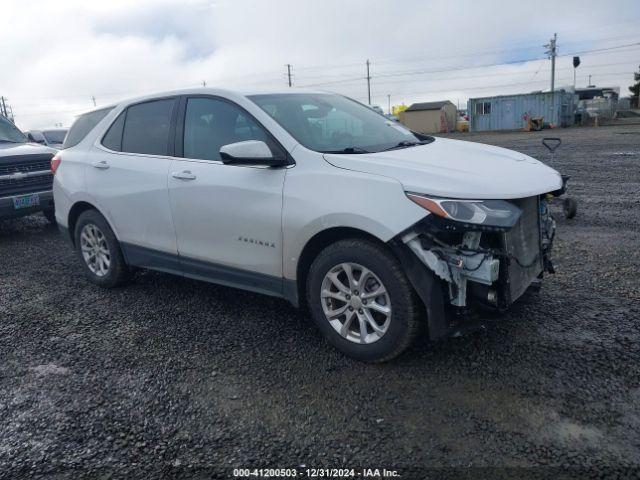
(10, 133)
(54, 136)
(334, 124)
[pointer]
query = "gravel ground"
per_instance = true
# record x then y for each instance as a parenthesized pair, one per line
(171, 377)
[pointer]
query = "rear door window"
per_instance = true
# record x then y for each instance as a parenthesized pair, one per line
(147, 126)
(83, 125)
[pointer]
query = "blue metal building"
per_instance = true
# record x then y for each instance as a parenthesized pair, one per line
(511, 112)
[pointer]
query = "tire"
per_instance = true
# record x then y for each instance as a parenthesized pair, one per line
(94, 226)
(396, 332)
(50, 215)
(570, 207)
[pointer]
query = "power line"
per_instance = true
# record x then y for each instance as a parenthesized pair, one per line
(514, 62)
(352, 79)
(385, 77)
(458, 68)
(359, 78)
(488, 51)
(482, 75)
(448, 78)
(423, 91)
(525, 46)
(414, 59)
(487, 87)
(606, 49)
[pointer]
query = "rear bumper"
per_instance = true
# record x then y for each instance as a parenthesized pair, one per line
(7, 210)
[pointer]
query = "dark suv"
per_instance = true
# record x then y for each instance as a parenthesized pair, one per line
(25, 175)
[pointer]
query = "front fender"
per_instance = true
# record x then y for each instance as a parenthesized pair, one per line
(326, 197)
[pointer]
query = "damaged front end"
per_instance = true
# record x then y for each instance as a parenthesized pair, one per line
(483, 256)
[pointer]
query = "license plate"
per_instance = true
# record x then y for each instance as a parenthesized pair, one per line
(26, 201)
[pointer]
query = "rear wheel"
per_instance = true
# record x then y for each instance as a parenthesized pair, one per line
(362, 301)
(99, 251)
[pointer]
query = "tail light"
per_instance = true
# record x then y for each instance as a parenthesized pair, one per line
(55, 163)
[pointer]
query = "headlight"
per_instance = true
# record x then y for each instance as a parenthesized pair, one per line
(491, 213)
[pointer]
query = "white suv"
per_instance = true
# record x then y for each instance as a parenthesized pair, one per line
(312, 197)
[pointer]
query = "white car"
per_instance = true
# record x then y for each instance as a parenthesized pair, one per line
(312, 197)
(53, 137)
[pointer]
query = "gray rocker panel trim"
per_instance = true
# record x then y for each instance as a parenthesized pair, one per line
(209, 272)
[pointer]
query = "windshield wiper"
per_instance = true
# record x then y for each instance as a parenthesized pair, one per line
(4, 140)
(348, 150)
(404, 144)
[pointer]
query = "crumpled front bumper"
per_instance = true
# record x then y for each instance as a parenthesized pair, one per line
(479, 273)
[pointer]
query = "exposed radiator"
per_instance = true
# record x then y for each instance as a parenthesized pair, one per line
(523, 243)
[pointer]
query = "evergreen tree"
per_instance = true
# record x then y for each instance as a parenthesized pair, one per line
(635, 90)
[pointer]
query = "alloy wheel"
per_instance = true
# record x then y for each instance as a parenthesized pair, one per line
(356, 303)
(95, 250)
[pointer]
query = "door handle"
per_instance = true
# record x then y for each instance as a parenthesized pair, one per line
(103, 165)
(184, 175)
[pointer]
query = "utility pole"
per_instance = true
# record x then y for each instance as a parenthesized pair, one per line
(389, 101)
(6, 110)
(589, 85)
(93, 98)
(368, 82)
(289, 74)
(552, 52)
(204, 83)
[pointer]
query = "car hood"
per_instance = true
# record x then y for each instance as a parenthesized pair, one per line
(457, 169)
(23, 149)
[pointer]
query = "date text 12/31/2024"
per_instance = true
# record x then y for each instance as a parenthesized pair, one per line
(315, 473)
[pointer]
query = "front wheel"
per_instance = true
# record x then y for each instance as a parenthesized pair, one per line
(99, 251)
(362, 301)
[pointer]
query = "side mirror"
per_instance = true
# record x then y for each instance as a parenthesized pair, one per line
(250, 152)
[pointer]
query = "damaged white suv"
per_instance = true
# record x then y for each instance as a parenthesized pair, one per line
(312, 197)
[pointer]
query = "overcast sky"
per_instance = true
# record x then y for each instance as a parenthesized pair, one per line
(56, 55)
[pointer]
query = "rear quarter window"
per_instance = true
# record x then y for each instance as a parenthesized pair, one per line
(113, 138)
(83, 125)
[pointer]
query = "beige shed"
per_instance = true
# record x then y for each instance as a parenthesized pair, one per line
(430, 117)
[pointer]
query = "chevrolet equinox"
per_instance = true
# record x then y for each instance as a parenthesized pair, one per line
(312, 197)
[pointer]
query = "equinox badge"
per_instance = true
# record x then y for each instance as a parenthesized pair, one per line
(256, 242)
